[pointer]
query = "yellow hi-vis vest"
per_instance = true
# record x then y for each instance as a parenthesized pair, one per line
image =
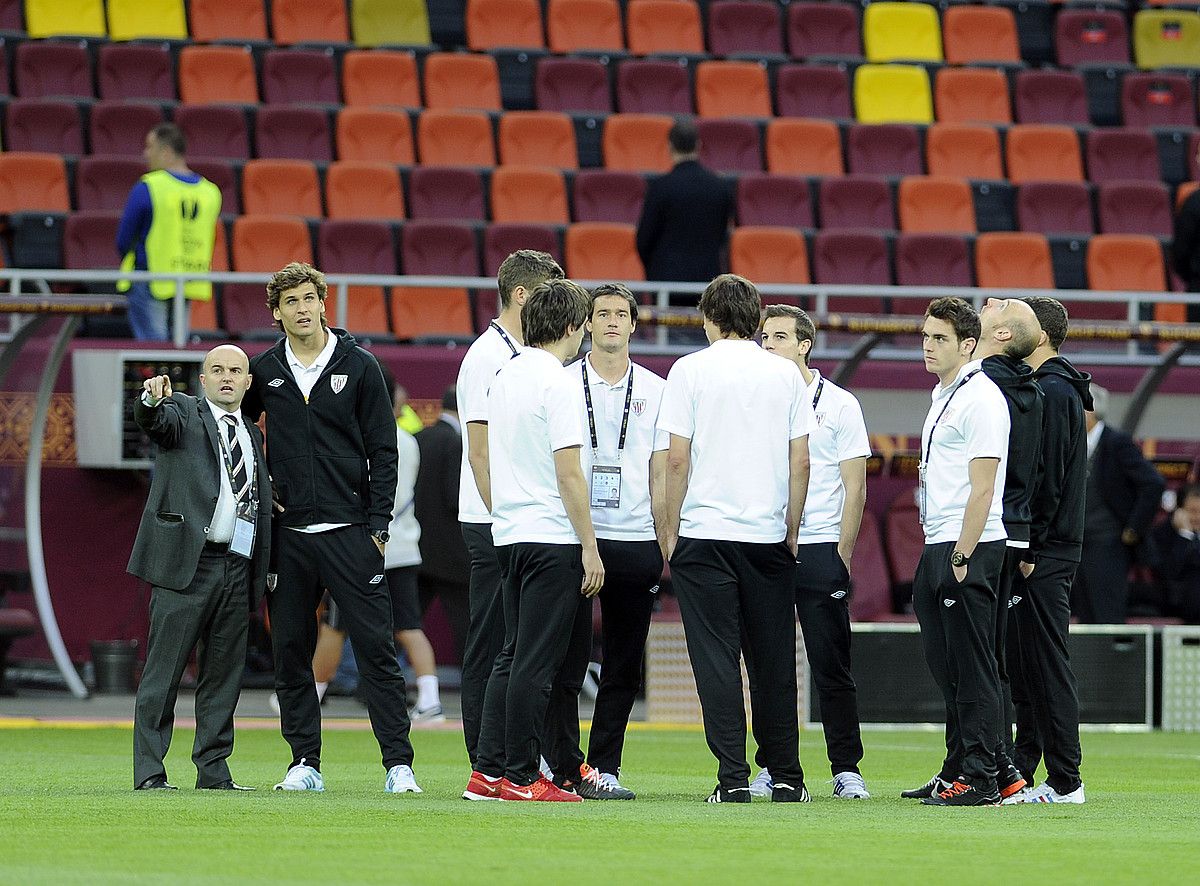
(182, 233)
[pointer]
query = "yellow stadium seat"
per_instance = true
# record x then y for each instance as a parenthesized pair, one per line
(908, 31)
(137, 20)
(389, 22)
(1166, 38)
(51, 18)
(892, 94)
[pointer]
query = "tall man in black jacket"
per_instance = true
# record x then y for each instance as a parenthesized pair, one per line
(333, 462)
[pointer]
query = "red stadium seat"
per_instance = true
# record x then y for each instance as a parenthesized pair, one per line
(358, 247)
(1091, 36)
(214, 131)
(43, 125)
(102, 184)
(774, 201)
(294, 76)
(604, 195)
(929, 260)
(852, 257)
(222, 174)
(1158, 99)
(48, 69)
(744, 27)
(445, 193)
(119, 128)
(903, 538)
(1047, 96)
(1134, 207)
(871, 594)
(1118, 154)
(884, 149)
(89, 241)
(293, 133)
(646, 86)
(434, 248)
(856, 201)
(813, 91)
(730, 145)
(1055, 208)
(135, 70)
(571, 84)
(823, 29)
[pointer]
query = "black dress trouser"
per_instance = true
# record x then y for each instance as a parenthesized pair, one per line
(485, 631)
(1009, 574)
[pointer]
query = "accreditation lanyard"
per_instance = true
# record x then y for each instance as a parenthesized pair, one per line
(504, 335)
(606, 479)
(928, 453)
(245, 522)
(816, 400)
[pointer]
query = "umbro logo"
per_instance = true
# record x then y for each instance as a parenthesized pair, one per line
(377, 579)
(837, 595)
(275, 382)
(1013, 602)
(654, 590)
(948, 602)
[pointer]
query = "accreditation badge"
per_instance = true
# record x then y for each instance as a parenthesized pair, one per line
(244, 526)
(921, 471)
(606, 486)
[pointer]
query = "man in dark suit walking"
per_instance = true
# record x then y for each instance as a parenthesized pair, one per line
(203, 545)
(685, 216)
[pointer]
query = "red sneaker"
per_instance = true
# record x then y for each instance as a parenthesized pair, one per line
(540, 791)
(482, 787)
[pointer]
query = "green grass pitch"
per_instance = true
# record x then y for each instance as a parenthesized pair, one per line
(67, 815)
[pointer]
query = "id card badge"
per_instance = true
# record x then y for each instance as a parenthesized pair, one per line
(921, 493)
(243, 538)
(606, 486)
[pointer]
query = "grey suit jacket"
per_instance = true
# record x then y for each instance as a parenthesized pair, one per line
(183, 494)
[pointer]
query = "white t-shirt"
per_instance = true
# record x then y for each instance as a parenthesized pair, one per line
(404, 534)
(533, 415)
(483, 360)
(741, 407)
(974, 425)
(632, 520)
(840, 434)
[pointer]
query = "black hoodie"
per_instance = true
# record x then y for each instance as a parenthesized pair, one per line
(333, 459)
(1015, 381)
(1058, 506)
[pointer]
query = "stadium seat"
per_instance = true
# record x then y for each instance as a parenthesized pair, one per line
(748, 27)
(215, 74)
(43, 125)
(135, 71)
(856, 201)
(872, 595)
(380, 77)
(901, 31)
(965, 150)
(222, 174)
(892, 94)
(1121, 262)
(456, 80)
(773, 201)
(903, 538)
(102, 184)
(213, 20)
(1185, 190)
(852, 258)
(297, 76)
(582, 25)
(884, 149)
(281, 187)
(89, 241)
(537, 138)
(1134, 207)
(929, 259)
(139, 20)
(214, 131)
(1037, 152)
(823, 29)
(1012, 260)
(203, 315)
(797, 146)
(653, 87)
(974, 34)
(292, 133)
(357, 247)
(434, 248)
(377, 134)
(445, 193)
(1158, 99)
(449, 138)
(1091, 36)
(51, 69)
(1047, 96)
(1115, 154)
(500, 241)
(389, 22)
(1166, 38)
(663, 27)
(972, 95)
(935, 205)
(769, 254)
(1055, 207)
(359, 189)
(572, 84)
(33, 182)
(309, 21)
(732, 89)
(812, 91)
(260, 244)
(730, 145)
(602, 251)
(119, 128)
(604, 195)
(529, 194)
(637, 142)
(74, 18)
(496, 24)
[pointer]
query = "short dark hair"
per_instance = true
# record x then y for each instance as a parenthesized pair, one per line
(171, 136)
(620, 290)
(525, 268)
(806, 330)
(290, 276)
(733, 304)
(958, 313)
(684, 137)
(554, 308)
(1052, 315)
(450, 399)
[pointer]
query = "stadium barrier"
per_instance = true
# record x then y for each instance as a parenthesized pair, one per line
(1181, 678)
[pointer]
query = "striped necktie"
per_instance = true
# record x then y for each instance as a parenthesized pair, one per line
(239, 475)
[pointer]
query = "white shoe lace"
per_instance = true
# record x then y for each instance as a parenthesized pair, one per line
(849, 784)
(301, 777)
(609, 781)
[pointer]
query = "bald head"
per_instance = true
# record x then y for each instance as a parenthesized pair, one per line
(225, 376)
(1008, 326)
(226, 354)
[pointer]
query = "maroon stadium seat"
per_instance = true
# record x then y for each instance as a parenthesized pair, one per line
(744, 27)
(46, 68)
(929, 260)
(445, 193)
(871, 599)
(435, 248)
(856, 201)
(500, 241)
(823, 29)
(1116, 154)
(135, 70)
(852, 257)
(222, 174)
(1134, 207)
(214, 131)
(119, 128)
(774, 200)
(46, 125)
(572, 84)
(90, 241)
(102, 184)
(1055, 208)
(1091, 36)
(1046, 96)
(884, 149)
(358, 247)
(653, 87)
(1158, 99)
(903, 538)
(812, 91)
(604, 195)
(730, 145)
(292, 133)
(292, 76)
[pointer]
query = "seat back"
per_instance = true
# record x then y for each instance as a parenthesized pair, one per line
(261, 244)
(902, 31)
(974, 34)
(51, 69)
(368, 133)
(1090, 36)
(965, 150)
(216, 74)
(389, 22)
(296, 76)
(227, 20)
(769, 254)
(433, 249)
(309, 21)
(804, 147)
(871, 597)
(852, 257)
(812, 91)
(502, 240)
(102, 184)
(1134, 207)
(359, 189)
(492, 24)
(445, 193)
(1013, 260)
(88, 239)
(575, 25)
(892, 94)
(357, 247)
(884, 149)
(1117, 262)
(774, 201)
(72, 18)
(1037, 152)
(604, 195)
(213, 131)
(823, 29)
(972, 95)
(380, 77)
(929, 260)
(529, 194)
(569, 84)
(46, 125)
(455, 138)
(455, 80)
(856, 201)
(602, 251)
(1118, 154)
(936, 205)
(1055, 208)
(1051, 97)
(663, 26)
(1164, 38)
(138, 20)
(222, 174)
(744, 26)
(1158, 99)
(730, 145)
(135, 70)
(732, 89)
(293, 133)
(637, 142)
(646, 86)
(538, 138)
(119, 128)
(281, 187)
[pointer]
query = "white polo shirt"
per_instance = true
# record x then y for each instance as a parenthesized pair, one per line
(840, 434)
(974, 424)
(741, 407)
(631, 520)
(486, 356)
(533, 415)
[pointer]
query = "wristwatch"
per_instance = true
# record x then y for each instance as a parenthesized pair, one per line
(381, 535)
(958, 558)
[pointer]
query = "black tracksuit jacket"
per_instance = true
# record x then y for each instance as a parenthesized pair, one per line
(1014, 378)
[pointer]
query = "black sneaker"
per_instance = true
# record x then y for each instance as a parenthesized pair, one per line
(931, 788)
(962, 794)
(592, 786)
(785, 793)
(1010, 781)
(729, 795)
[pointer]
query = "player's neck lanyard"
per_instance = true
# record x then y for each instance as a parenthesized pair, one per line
(504, 335)
(820, 390)
(591, 412)
(945, 406)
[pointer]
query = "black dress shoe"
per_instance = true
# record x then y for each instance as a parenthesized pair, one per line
(229, 785)
(156, 783)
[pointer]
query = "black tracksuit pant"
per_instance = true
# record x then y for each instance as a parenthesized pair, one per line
(823, 606)
(1009, 574)
(632, 570)
(560, 732)
(485, 632)
(347, 563)
(737, 599)
(957, 631)
(1047, 703)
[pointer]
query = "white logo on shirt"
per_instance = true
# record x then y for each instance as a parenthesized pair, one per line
(948, 603)
(337, 382)
(637, 407)
(1014, 601)
(837, 595)
(275, 382)
(820, 416)
(376, 579)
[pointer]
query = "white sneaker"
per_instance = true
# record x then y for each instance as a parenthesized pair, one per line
(1043, 793)
(762, 784)
(1021, 796)
(609, 780)
(301, 778)
(400, 780)
(431, 714)
(850, 786)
